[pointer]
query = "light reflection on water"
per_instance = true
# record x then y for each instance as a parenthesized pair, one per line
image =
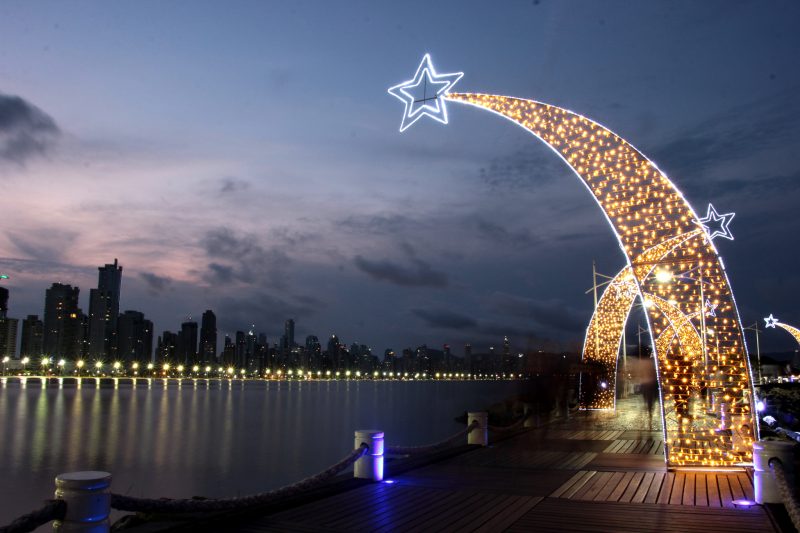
(213, 439)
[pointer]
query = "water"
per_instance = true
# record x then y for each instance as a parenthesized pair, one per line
(217, 440)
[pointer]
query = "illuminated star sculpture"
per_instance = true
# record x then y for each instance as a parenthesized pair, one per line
(716, 225)
(771, 321)
(422, 94)
(712, 309)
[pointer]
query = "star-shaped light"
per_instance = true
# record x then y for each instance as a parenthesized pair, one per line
(771, 321)
(716, 225)
(422, 94)
(711, 308)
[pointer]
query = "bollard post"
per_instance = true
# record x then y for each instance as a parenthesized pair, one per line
(88, 501)
(528, 414)
(766, 488)
(370, 465)
(479, 435)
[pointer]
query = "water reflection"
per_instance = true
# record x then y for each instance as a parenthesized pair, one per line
(215, 439)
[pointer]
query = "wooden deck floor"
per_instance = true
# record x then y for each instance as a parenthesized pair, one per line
(563, 477)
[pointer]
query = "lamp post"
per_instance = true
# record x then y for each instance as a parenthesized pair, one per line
(754, 327)
(61, 363)
(25, 361)
(79, 365)
(6, 359)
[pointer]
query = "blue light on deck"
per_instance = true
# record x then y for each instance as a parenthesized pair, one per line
(388, 481)
(743, 503)
(760, 406)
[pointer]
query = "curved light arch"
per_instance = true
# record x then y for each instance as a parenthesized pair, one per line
(645, 209)
(793, 331)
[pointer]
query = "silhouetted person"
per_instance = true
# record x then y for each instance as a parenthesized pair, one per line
(649, 388)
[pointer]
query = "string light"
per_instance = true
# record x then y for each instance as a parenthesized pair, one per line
(655, 225)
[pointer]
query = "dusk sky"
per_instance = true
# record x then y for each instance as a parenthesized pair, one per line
(245, 157)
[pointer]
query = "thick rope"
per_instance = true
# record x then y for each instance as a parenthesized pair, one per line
(53, 510)
(515, 425)
(145, 505)
(420, 450)
(789, 501)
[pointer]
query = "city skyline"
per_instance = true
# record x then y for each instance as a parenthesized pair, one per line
(244, 160)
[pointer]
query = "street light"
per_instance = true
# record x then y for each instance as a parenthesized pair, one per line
(79, 365)
(5, 362)
(25, 361)
(61, 364)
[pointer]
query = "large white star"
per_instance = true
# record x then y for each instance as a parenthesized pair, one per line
(771, 321)
(716, 225)
(422, 94)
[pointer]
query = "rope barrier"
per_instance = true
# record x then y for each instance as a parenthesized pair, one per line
(419, 450)
(787, 495)
(515, 425)
(145, 505)
(52, 510)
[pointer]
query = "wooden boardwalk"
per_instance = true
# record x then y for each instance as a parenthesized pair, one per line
(562, 477)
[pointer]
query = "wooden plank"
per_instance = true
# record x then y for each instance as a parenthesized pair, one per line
(510, 517)
(644, 487)
(451, 504)
(700, 492)
(568, 484)
(676, 498)
(612, 447)
(724, 491)
(633, 487)
(475, 516)
(666, 488)
(616, 494)
(736, 488)
(594, 486)
(747, 485)
(713, 491)
(609, 487)
(656, 487)
(688, 489)
(579, 485)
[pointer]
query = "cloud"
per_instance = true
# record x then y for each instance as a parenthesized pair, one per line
(231, 184)
(266, 311)
(417, 274)
(45, 244)
(443, 319)
(25, 130)
(243, 259)
(526, 168)
(499, 234)
(377, 224)
(549, 314)
(155, 283)
(733, 135)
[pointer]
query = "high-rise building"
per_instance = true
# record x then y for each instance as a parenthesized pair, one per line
(228, 351)
(3, 302)
(104, 311)
(208, 337)
(288, 333)
(468, 358)
(62, 322)
(187, 343)
(8, 336)
(134, 337)
(241, 350)
(167, 346)
(32, 337)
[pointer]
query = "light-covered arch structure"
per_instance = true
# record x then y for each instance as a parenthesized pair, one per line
(646, 211)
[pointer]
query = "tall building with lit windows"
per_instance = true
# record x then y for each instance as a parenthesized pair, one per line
(104, 311)
(32, 337)
(208, 337)
(134, 337)
(62, 322)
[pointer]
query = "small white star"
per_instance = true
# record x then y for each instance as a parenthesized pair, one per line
(716, 225)
(771, 321)
(712, 308)
(422, 93)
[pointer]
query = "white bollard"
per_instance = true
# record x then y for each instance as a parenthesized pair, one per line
(765, 484)
(479, 435)
(370, 465)
(528, 414)
(88, 501)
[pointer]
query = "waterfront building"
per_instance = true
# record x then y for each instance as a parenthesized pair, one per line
(134, 337)
(63, 322)
(32, 337)
(104, 312)
(208, 337)
(187, 343)
(8, 336)
(167, 349)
